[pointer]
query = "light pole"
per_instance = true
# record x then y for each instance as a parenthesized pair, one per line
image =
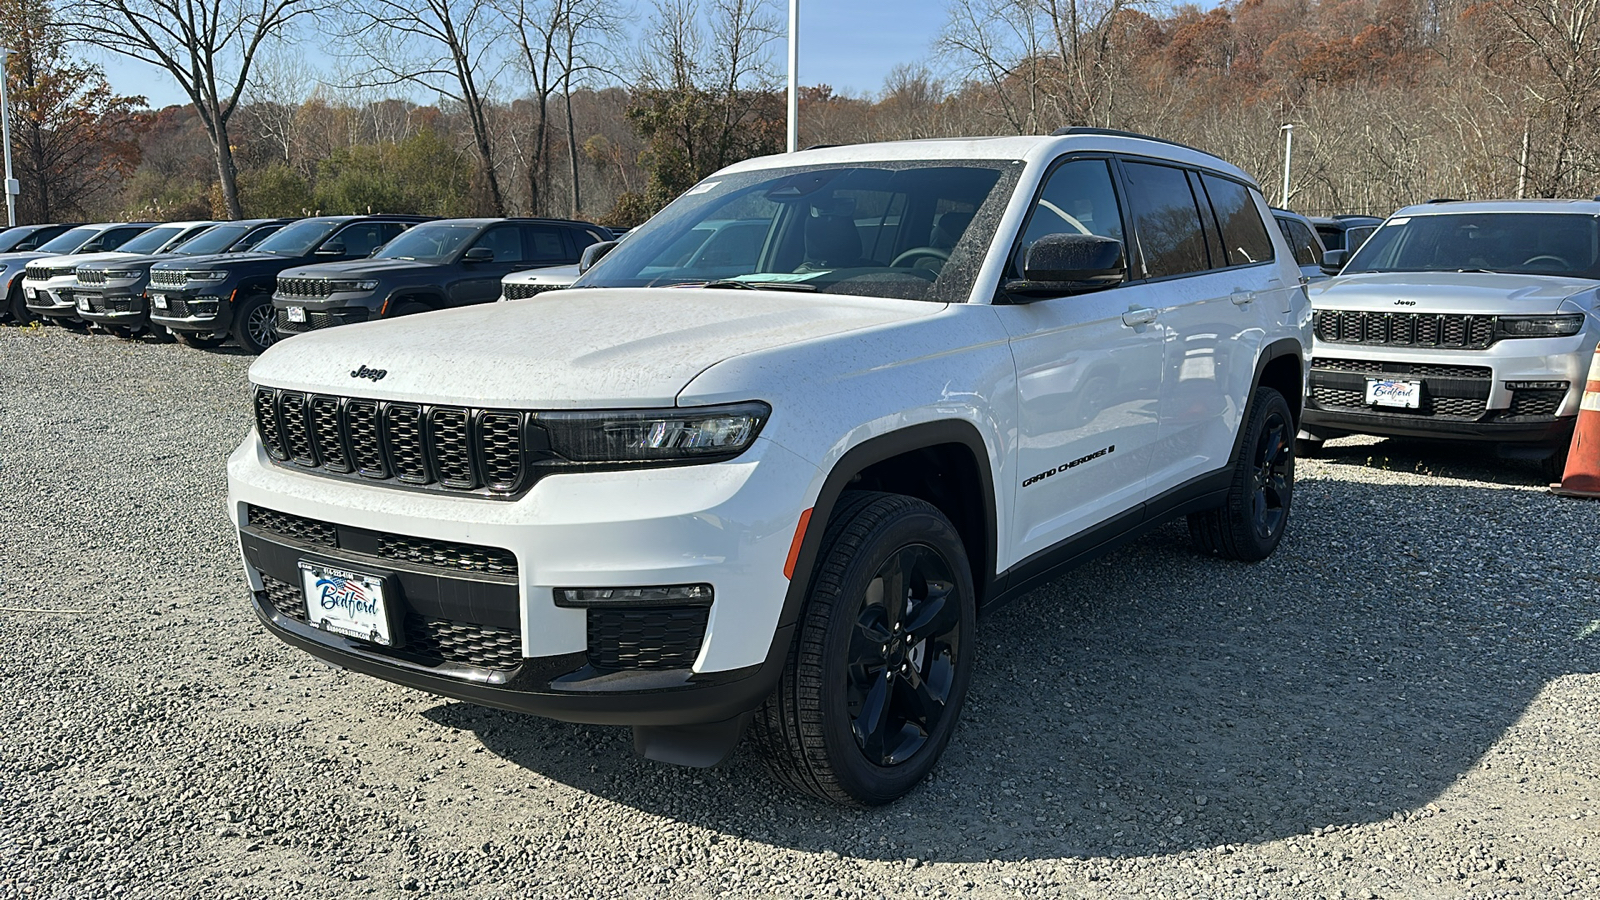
(794, 75)
(13, 188)
(1288, 151)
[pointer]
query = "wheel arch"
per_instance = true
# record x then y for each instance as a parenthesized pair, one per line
(945, 463)
(432, 299)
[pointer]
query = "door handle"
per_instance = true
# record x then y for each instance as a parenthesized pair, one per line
(1138, 316)
(1242, 298)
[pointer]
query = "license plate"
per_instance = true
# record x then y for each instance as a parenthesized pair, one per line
(1399, 394)
(159, 301)
(347, 603)
(297, 313)
(83, 303)
(30, 293)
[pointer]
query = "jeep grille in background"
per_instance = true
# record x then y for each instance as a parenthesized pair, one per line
(451, 448)
(514, 291)
(305, 287)
(1458, 332)
(167, 277)
(91, 276)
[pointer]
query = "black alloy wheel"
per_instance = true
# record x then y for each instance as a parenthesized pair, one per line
(1251, 522)
(879, 668)
(254, 327)
(903, 651)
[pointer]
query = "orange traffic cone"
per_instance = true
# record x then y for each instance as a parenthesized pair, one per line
(1581, 478)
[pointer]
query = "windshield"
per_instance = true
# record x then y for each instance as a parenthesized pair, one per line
(434, 243)
(1517, 243)
(154, 239)
(68, 241)
(299, 239)
(11, 237)
(213, 240)
(914, 230)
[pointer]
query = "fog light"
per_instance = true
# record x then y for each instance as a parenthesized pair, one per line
(1538, 385)
(662, 595)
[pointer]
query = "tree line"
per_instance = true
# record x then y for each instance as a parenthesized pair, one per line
(556, 107)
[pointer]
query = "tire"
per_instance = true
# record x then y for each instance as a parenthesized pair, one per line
(1249, 525)
(253, 323)
(198, 341)
(1554, 466)
(18, 307)
(855, 654)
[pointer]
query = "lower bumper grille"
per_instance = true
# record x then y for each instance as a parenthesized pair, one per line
(647, 638)
(427, 638)
(1448, 392)
(315, 320)
(448, 556)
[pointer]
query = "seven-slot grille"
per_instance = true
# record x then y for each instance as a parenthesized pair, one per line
(168, 277)
(91, 276)
(515, 291)
(1460, 332)
(45, 272)
(441, 447)
(305, 287)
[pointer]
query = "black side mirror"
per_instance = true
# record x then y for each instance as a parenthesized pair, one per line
(1059, 264)
(478, 255)
(331, 248)
(1334, 260)
(593, 253)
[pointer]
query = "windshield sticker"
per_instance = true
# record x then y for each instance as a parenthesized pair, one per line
(701, 188)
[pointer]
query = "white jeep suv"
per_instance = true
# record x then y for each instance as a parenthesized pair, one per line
(772, 489)
(1462, 321)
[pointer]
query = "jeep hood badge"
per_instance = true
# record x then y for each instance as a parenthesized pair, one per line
(373, 374)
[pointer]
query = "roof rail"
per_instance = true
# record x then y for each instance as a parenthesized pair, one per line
(1112, 132)
(1355, 216)
(821, 147)
(1444, 200)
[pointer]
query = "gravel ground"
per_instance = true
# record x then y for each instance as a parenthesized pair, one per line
(1399, 704)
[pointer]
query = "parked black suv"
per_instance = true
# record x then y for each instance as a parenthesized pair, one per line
(205, 299)
(456, 262)
(1346, 232)
(112, 293)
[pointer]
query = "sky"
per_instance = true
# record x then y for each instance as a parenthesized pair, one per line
(850, 45)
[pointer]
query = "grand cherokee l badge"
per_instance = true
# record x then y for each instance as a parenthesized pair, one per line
(374, 374)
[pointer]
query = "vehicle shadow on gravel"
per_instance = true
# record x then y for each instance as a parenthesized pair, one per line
(1463, 461)
(1155, 701)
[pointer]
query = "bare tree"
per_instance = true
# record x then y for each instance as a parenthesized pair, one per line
(208, 46)
(440, 45)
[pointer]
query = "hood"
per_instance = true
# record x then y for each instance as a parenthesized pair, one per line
(358, 268)
(1448, 292)
(79, 259)
(596, 348)
(223, 260)
(121, 260)
(20, 260)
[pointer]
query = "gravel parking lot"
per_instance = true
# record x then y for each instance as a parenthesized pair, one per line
(1399, 704)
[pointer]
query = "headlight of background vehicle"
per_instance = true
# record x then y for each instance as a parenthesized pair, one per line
(120, 273)
(352, 286)
(701, 434)
(1540, 326)
(206, 275)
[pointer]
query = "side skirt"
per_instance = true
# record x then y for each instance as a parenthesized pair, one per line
(1204, 492)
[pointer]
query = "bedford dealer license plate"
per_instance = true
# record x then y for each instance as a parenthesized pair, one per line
(159, 301)
(347, 603)
(1400, 394)
(297, 313)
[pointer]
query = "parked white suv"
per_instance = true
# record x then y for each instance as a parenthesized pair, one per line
(1462, 321)
(533, 282)
(772, 489)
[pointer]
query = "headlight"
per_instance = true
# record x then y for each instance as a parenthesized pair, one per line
(352, 286)
(1540, 326)
(700, 434)
(206, 275)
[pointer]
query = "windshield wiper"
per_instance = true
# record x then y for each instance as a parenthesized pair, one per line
(761, 285)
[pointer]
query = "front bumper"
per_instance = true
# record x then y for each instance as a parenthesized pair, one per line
(728, 525)
(190, 311)
(322, 312)
(52, 300)
(1508, 393)
(110, 305)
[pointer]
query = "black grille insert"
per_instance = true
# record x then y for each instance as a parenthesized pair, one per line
(451, 448)
(667, 637)
(516, 291)
(1400, 329)
(450, 556)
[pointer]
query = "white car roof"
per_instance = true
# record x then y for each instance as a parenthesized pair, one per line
(1025, 149)
(1577, 207)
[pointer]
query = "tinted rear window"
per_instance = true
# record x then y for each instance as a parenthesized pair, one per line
(1244, 235)
(1167, 220)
